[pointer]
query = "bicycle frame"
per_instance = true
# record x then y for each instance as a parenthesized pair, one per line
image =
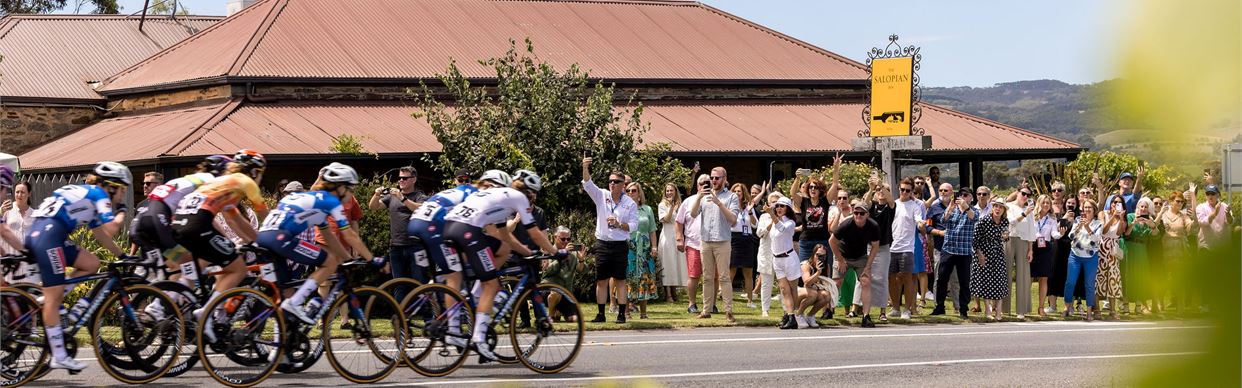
(101, 293)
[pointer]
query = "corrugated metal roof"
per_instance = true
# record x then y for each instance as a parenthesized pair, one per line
(308, 128)
(616, 40)
(121, 138)
(56, 56)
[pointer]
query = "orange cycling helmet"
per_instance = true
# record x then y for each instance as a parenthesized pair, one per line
(250, 158)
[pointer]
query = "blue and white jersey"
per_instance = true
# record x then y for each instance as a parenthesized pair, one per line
(299, 211)
(76, 205)
(434, 208)
(493, 206)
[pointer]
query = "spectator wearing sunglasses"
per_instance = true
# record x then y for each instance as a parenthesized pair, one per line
(813, 206)
(855, 244)
(616, 215)
(717, 209)
(401, 203)
(935, 228)
(1018, 251)
(880, 198)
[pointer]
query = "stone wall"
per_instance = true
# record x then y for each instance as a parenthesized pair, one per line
(164, 99)
(24, 127)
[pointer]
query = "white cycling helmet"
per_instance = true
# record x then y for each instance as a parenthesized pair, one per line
(114, 172)
(339, 173)
(498, 177)
(529, 178)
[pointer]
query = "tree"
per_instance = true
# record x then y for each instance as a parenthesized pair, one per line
(49, 6)
(541, 119)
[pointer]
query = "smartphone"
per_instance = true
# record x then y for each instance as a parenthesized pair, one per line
(696, 165)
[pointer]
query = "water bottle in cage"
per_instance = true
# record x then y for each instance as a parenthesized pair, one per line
(312, 307)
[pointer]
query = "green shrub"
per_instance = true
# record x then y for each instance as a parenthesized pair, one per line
(853, 178)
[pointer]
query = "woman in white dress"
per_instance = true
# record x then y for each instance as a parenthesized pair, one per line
(672, 262)
(767, 278)
(16, 214)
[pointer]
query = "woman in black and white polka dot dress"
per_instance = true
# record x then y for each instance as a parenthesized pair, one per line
(988, 275)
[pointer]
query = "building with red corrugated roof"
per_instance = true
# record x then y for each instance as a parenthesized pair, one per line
(288, 76)
(52, 64)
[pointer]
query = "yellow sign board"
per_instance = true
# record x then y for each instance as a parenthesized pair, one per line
(891, 90)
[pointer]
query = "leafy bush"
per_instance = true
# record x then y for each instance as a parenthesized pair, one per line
(853, 178)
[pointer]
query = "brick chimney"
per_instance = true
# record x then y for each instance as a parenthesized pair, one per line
(234, 6)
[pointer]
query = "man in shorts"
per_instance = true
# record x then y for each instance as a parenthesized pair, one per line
(855, 245)
(690, 242)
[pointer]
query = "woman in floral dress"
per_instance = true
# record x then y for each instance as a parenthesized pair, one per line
(642, 268)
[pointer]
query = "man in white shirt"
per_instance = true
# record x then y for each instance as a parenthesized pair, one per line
(906, 221)
(717, 209)
(689, 240)
(615, 216)
(1018, 251)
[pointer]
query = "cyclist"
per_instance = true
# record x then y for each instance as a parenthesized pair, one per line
(6, 184)
(152, 229)
(298, 211)
(68, 208)
(192, 221)
(427, 224)
(477, 226)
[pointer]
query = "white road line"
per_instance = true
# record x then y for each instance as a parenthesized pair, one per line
(886, 335)
(784, 370)
(709, 331)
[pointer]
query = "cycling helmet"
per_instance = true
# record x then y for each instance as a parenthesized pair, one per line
(6, 176)
(114, 172)
(217, 164)
(530, 179)
(498, 177)
(339, 173)
(250, 159)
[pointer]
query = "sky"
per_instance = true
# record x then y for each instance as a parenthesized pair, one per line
(964, 43)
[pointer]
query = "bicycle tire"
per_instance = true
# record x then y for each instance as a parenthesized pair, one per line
(166, 334)
(189, 302)
(391, 286)
(16, 306)
(259, 312)
(425, 339)
(526, 342)
(369, 331)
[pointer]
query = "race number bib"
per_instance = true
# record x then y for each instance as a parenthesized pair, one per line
(190, 204)
(189, 270)
(49, 207)
(268, 272)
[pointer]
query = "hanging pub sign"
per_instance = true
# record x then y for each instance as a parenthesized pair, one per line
(892, 109)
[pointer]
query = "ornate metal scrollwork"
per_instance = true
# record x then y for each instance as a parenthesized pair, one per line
(894, 50)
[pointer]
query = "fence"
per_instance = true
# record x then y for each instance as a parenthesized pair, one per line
(42, 186)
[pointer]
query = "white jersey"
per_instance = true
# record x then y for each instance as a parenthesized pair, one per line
(492, 206)
(434, 208)
(173, 191)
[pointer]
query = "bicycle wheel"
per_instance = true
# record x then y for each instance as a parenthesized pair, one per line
(400, 287)
(23, 351)
(248, 328)
(372, 348)
(186, 303)
(548, 346)
(496, 337)
(430, 324)
(133, 344)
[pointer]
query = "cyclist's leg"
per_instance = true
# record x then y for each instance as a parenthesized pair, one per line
(289, 246)
(54, 253)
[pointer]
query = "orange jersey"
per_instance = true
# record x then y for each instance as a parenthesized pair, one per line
(223, 194)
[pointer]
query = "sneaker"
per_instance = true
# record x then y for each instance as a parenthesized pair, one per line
(68, 363)
(866, 321)
(729, 317)
(892, 313)
(810, 321)
(905, 314)
(828, 314)
(930, 296)
(1049, 310)
(297, 311)
(693, 309)
(599, 318)
(455, 341)
(784, 322)
(750, 305)
(801, 321)
(485, 353)
(764, 314)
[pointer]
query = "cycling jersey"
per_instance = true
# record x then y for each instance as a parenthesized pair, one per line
(173, 191)
(76, 205)
(492, 207)
(299, 211)
(434, 208)
(222, 194)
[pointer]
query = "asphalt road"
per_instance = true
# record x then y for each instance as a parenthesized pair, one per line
(1072, 354)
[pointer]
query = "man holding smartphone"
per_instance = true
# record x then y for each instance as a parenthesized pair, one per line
(718, 208)
(959, 234)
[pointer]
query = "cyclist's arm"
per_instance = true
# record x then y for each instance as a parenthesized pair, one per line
(252, 193)
(104, 238)
(509, 239)
(540, 238)
(240, 225)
